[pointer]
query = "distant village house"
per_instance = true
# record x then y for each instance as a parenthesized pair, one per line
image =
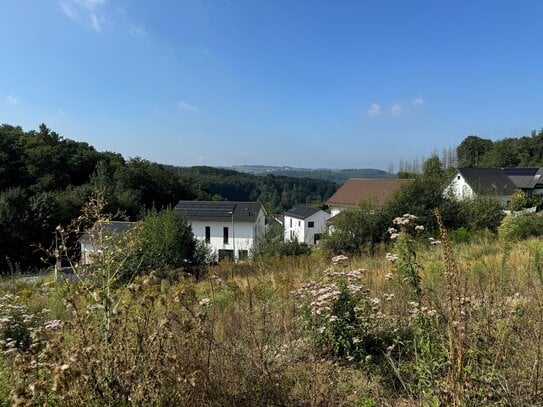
(304, 224)
(230, 229)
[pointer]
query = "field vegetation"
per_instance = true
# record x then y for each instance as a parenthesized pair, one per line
(421, 321)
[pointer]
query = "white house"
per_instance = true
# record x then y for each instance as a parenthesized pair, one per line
(471, 182)
(305, 224)
(357, 190)
(230, 229)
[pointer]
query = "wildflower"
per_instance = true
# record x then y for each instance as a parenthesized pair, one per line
(205, 302)
(419, 228)
(333, 318)
(394, 236)
(52, 324)
(356, 339)
(389, 276)
(339, 259)
(391, 257)
(392, 230)
(350, 358)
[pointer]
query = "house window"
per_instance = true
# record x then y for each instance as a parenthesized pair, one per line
(299, 223)
(208, 234)
(226, 254)
(316, 237)
(290, 222)
(458, 177)
(243, 254)
(225, 235)
(310, 224)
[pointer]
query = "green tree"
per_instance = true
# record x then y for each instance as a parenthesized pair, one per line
(355, 229)
(164, 242)
(518, 200)
(471, 150)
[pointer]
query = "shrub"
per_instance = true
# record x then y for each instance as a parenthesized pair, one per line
(520, 227)
(354, 229)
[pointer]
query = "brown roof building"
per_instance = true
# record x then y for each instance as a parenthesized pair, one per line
(357, 190)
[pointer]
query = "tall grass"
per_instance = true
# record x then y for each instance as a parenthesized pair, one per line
(237, 337)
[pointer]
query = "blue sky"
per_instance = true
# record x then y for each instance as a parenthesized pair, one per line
(340, 84)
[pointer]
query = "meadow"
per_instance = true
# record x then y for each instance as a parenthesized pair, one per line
(421, 321)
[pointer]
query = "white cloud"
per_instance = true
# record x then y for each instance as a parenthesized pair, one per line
(417, 102)
(88, 13)
(374, 110)
(137, 30)
(396, 110)
(187, 107)
(12, 100)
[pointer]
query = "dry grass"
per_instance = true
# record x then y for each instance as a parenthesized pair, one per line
(167, 346)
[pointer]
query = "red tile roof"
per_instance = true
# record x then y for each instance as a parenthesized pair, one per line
(356, 190)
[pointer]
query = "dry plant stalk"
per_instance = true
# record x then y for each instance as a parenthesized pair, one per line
(457, 316)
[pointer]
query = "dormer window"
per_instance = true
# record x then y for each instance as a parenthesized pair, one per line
(458, 177)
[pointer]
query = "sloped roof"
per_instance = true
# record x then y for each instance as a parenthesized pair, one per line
(525, 178)
(488, 180)
(356, 190)
(219, 211)
(301, 211)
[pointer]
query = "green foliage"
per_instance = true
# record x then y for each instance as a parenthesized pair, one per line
(519, 201)
(520, 227)
(355, 229)
(341, 319)
(525, 151)
(164, 242)
(471, 151)
(481, 212)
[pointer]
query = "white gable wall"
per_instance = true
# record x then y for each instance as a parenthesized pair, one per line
(460, 189)
(298, 229)
(241, 235)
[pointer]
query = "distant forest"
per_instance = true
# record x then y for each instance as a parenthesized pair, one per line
(46, 179)
(337, 176)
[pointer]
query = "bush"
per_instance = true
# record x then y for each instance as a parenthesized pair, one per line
(520, 227)
(355, 229)
(483, 212)
(163, 242)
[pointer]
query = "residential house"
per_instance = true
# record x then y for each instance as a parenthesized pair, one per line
(99, 234)
(304, 224)
(357, 190)
(530, 180)
(470, 182)
(230, 229)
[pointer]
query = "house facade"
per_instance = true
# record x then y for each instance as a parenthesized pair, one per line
(357, 190)
(304, 224)
(471, 182)
(230, 229)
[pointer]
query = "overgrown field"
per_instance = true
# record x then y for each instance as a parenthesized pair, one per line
(426, 324)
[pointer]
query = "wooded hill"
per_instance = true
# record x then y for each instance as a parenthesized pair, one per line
(46, 179)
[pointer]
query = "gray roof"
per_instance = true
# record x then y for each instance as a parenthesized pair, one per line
(108, 229)
(301, 211)
(525, 178)
(488, 180)
(219, 211)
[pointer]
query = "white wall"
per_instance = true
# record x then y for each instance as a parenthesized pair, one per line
(334, 210)
(241, 235)
(459, 188)
(300, 229)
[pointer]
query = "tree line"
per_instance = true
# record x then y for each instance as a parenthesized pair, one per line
(45, 180)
